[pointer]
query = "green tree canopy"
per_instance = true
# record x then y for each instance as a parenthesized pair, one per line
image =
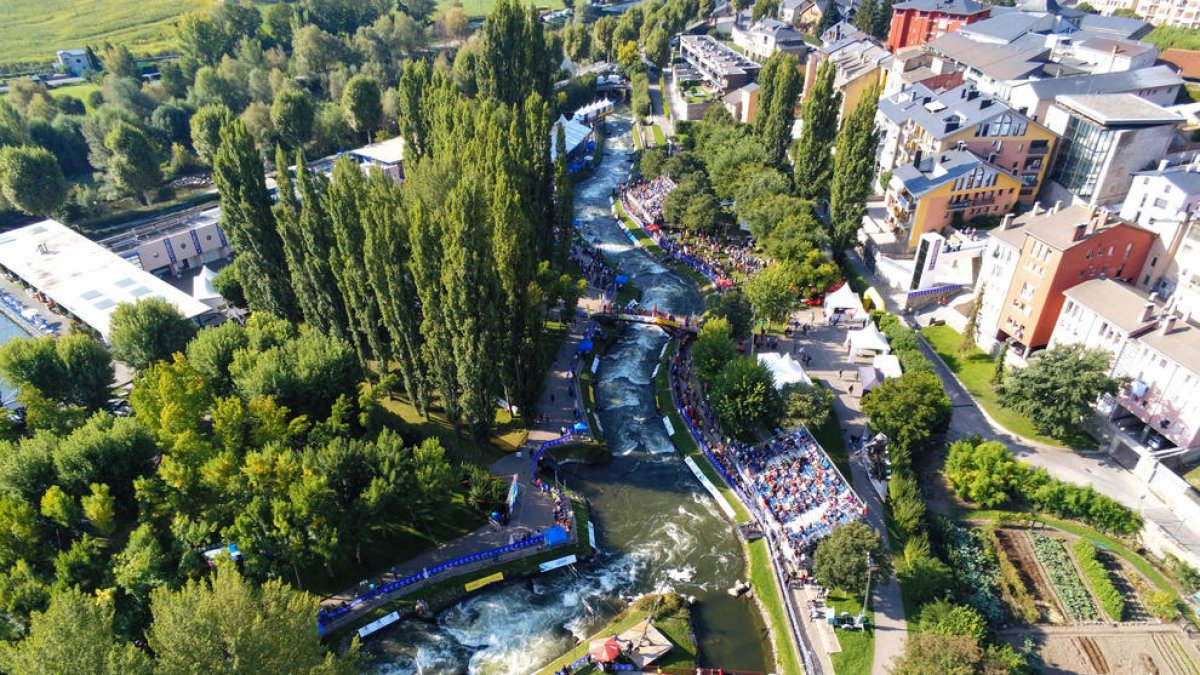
(840, 560)
(73, 369)
(206, 130)
(363, 102)
(1059, 386)
(714, 348)
(292, 113)
(74, 635)
(983, 473)
(813, 168)
(809, 404)
(133, 163)
(148, 331)
(32, 180)
(744, 398)
(736, 308)
(912, 410)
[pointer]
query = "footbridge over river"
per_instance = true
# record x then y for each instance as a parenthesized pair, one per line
(668, 322)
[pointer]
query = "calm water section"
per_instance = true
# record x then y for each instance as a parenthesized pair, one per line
(658, 530)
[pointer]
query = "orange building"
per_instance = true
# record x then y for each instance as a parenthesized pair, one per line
(918, 21)
(1055, 251)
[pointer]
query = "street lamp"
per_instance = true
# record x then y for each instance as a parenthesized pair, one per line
(862, 614)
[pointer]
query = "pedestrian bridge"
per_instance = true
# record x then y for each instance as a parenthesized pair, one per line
(669, 323)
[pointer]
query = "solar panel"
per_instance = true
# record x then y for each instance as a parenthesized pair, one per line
(105, 304)
(139, 291)
(91, 295)
(125, 282)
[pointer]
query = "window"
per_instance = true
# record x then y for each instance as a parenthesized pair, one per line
(1128, 251)
(1154, 261)
(1160, 203)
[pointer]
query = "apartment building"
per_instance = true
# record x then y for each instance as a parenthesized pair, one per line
(921, 120)
(1165, 201)
(708, 72)
(916, 22)
(1032, 259)
(860, 63)
(1177, 13)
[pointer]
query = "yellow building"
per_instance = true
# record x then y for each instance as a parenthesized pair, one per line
(947, 188)
(860, 63)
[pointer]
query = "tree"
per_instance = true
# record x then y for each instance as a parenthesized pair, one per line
(292, 114)
(602, 36)
(911, 410)
(829, 17)
(1058, 387)
(946, 618)
(73, 369)
(781, 84)
(865, 17)
(148, 331)
(854, 169)
(840, 560)
(31, 180)
(141, 567)
(908, 505)
(998, 370)
(651, 162)
(769, 293)
(882, 25)
(714, 348)
(201, 40)
(813, 168)
(316, 52)
(133, 163)
(100, 508)
(60, 507)
(74, 635)
(246, 218)
(629, 57)
(765, 9)
(226, 623)
(737, 309)
(363, 102)
(744, 397)
(701, 214)
(955, 655)
(972, 328)
(515, 60)
(808, 404)
(206, 130)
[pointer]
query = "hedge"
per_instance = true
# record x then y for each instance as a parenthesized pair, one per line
(1110, 598)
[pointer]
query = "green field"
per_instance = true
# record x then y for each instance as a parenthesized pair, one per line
(79, 91)
(33, 31)
(482, 7)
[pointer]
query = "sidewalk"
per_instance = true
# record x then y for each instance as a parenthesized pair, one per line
(824, 345)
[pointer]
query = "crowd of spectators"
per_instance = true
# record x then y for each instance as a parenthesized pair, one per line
(595, 268)
(644, 198)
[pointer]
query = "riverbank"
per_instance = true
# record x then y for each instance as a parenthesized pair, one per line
(767, 594)
(672, 618)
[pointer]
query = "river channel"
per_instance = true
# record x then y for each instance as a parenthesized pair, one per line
(658, 529)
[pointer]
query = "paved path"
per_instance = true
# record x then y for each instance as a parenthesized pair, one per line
(829, 363)
(659, 90)
(1094, 468)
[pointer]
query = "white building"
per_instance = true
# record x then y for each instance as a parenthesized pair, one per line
(1165, 201)
(84, 278)
(1154, 348)
(74, 61)
(763, 38)
(1181, 13)
(387, 155)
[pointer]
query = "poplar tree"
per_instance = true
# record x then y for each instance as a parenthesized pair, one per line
(246, 217)
(820, 114)
(305, 227)
(414, 124)
(515, 61)
(781, 84)
(532, 157)
(349, 268)
(516, 268)
(287, 222)
(564, 201)
(854, 169)
(387, 256)
(469, 292)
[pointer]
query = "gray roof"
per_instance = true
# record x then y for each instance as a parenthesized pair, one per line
(1179, 176)
(1056, 229)
(1014, 61)
(1113, 26)
(1121, 47)
(945, 113)
(1118, 303)
(1181, 345)
(959, 7)
(1039, 6)
(1105, 83)
(574, 132)
(1007, 27)
(936, 171)
(1118, 109)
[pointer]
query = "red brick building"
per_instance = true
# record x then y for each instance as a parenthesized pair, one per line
(918, 21)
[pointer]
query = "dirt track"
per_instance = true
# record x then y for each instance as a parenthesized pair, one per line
(1104, 650)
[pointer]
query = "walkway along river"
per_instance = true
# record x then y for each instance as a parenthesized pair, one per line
(658, 529)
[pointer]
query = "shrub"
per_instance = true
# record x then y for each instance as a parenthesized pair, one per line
(1110, 598)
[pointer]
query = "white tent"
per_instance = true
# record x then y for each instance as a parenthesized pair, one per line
(784, 368)
(866, 339)
(888, 365)
(845, 301)
(203, 290)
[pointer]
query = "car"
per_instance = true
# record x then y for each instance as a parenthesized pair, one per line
(1156, 441)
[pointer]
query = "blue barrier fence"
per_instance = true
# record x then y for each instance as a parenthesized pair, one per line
(327, 616)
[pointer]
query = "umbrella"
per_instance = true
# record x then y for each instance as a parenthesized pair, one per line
(604, 650)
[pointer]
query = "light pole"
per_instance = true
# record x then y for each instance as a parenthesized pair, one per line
(862, 614)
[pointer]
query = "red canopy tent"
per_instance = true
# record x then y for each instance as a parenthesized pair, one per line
(605, 650)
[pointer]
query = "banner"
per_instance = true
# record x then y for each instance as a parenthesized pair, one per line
(513, 490)
(480, 583)
(557, 563)
(381, 622)
(712, 489)
(592, 535)
(667, 424)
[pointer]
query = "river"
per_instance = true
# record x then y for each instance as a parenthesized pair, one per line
(658, 529)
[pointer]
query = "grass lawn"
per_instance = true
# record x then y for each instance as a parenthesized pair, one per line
(858, 647)
(974, 370)
(637, 135)
(507, 437)
(640, 234)
(1193, 477)
(660, 139)
(479, 8)
(79, 91)
(32, 31)
(762, 577)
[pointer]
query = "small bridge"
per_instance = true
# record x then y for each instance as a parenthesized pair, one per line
(667, 322)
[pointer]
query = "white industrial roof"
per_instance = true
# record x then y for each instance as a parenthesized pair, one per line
(82, 276)
(390, 151)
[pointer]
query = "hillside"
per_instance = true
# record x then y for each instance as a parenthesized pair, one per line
(32, 30)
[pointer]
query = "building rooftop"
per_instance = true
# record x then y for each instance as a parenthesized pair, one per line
(1058, 228)
(1007, 27)
(854, 56)
(955, 7)
(1118, 109)
(945, 113)
(82, 276)
(1118, 303)
(1104, 83)
(718, 56)
(574, 132)
(1017, 60)
(1185, 61)
(1181, 345)
(1113, 26)
(390, 151)
(1186, 178)
(1116, 46)
(920, 178)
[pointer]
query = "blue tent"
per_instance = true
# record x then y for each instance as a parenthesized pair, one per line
(585, 346)
(622, 279)
(581, 426)
(556, 535)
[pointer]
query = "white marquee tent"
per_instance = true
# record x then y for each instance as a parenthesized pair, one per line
(784, 369)
(866, 339)
(844, 301)
(888, 365)
(203, 290)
